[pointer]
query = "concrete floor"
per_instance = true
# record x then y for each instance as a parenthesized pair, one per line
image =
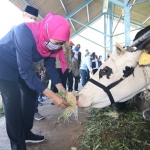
(4, 141)
(59, 135)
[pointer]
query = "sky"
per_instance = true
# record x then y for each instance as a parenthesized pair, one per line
(10, 16)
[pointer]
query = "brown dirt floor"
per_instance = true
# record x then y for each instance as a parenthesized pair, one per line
(59, 135)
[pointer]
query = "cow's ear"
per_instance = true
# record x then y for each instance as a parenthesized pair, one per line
(119, 49)
(108, 52)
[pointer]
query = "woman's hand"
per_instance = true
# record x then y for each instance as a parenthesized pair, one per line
(59, 101)
(56, 99)
(60, 87)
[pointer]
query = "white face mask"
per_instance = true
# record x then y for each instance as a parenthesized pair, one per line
(26, 19)
(49, 44)
(52, 46)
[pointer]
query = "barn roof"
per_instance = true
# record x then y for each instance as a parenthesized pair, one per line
(83, 12)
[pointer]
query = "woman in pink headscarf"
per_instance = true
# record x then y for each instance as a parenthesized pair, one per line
(19, 48)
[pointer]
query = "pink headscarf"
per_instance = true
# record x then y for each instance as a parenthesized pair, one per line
(58, 28)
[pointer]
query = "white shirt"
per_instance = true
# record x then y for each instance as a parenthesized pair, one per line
(86, 63)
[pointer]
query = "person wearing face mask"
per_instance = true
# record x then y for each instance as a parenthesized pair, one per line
(30, 14)
(19, 48)
(77, 48)
(85, 66)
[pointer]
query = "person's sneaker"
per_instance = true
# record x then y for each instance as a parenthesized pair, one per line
(44, 97)
(40, 99)
(76, 91)
(33, 138)
(38, 116)
(146, 114)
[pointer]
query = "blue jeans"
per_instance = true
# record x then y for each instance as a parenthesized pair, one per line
(83, 76)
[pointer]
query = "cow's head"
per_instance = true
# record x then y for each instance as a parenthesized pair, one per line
(116, 67)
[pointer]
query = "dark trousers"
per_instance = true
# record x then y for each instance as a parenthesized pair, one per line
(94, 71)
(70, 81)
(19, 106)
(88, 74)
(76, 83)
(63, 77)
(84, 76)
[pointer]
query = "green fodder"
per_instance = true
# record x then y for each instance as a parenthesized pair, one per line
(72, 109)
(108, 130)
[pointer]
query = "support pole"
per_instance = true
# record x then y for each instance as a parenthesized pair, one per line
(105, 38)
(110, 24)
(127, 22)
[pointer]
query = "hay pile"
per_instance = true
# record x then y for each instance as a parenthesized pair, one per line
(105, 130)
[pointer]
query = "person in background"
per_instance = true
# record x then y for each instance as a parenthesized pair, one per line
(41, 73)
(94, 63)
(63, 76)
(88, 72)
(30, 14)
(71, 44)
(76, 49)
(70, 75)
(24, 44)
(79, 62)
(37, 67)
(85, 64)
(45, 79)
(75, 70)
(76, 52)
(100, 61)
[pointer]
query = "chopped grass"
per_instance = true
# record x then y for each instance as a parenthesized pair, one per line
(108, 130)
(72, 109)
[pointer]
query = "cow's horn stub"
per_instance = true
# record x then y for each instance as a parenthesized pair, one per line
(119, 48)
(108, 52)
